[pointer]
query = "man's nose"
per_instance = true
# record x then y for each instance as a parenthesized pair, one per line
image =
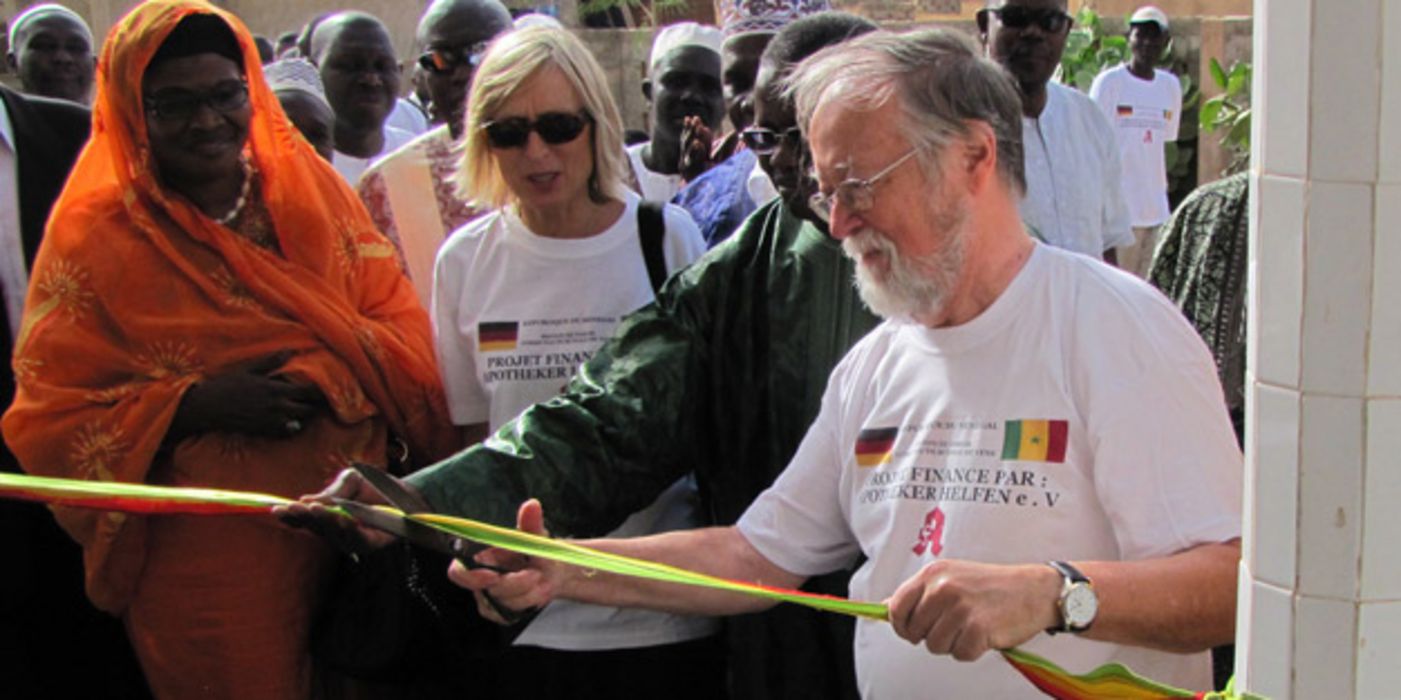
(842, 221)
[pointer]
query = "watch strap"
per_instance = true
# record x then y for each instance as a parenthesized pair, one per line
(1068, 571)
(1070, 576)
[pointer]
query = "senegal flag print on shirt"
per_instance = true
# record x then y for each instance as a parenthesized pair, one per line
(1035, 440)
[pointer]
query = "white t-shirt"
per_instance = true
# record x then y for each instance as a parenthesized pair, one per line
(352, 167)
(657, 187)
(1145, 115)
(514, 314)
(407, 117)
(1073, 196)
(1077, 418)
(759, 186)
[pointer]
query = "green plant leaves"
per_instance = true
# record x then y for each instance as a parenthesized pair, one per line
(1211, 113)
(1218, 74)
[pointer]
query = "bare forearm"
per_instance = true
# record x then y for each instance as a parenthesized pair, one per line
(718, 551)
(1182, 603)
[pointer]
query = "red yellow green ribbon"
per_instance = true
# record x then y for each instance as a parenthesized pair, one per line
(169, 500)
(1106, 682)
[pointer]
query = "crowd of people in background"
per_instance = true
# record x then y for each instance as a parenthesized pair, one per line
(846, 316)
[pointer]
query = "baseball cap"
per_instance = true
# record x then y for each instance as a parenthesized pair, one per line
(1150, 13)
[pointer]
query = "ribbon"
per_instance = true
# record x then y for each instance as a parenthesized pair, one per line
(1106, 682)
(171, 500)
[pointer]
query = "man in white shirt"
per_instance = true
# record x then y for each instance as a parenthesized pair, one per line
(361, 77)
(1021, 405)
(1073, 196)
(1145, 106)
(683, 80)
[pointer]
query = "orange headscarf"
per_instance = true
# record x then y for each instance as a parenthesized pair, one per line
(136, 295)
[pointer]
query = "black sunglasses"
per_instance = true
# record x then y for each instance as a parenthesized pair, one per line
(176, 105)
(444, 60)
(1017, 17)
(765, 141)
(554, 128)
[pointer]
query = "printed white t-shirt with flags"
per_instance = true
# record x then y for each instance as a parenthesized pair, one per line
(514, 314)
(1077, 418)
(1145, 115)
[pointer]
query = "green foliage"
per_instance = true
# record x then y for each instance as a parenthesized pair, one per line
(1089, 51)
(1229, 112)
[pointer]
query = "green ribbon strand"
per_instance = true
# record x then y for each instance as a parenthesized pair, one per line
(1110, 681)
(142, 498)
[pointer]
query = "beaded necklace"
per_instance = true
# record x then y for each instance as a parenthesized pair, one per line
(228, 218)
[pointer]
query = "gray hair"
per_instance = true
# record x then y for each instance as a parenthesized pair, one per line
(941, 79)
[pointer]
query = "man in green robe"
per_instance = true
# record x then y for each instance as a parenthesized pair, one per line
(721, 377)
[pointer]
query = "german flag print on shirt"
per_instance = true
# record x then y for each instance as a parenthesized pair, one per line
(497, 336)
(1035, 440)
(873, 446)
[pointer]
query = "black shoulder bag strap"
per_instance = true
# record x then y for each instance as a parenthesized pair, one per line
(651, 227)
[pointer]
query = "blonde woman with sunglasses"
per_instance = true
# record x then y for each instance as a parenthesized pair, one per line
(525, 294)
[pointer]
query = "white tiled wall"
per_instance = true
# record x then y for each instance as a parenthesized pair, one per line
(1381, 522)
(1379, 633)
(1321, 578)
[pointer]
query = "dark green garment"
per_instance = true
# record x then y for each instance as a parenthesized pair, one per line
(722, 376)
(1200, 265)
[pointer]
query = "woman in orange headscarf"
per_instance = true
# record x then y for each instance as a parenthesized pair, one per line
(212, 307)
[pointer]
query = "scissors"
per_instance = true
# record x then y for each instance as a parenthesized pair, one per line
(417, 533)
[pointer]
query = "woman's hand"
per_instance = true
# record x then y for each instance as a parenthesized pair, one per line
(312, 512)
(250, 400)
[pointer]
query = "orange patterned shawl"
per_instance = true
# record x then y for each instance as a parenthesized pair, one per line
(136, 295)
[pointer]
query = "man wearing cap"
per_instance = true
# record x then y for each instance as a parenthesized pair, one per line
(411, 193)
(1144, 104)
(731, 189)
(1073, 196)
(683, 80)
(297, 85)
(51, 51)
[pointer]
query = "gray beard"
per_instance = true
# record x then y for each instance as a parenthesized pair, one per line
(914, 288)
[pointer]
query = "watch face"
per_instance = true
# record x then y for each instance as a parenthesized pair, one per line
(1081, 604)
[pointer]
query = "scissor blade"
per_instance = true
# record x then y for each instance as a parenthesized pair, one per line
(395, 524)
(389, 487)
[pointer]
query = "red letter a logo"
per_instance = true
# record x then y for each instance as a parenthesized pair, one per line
(931, 536)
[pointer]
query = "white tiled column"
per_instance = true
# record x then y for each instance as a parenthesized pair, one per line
(1320, 594)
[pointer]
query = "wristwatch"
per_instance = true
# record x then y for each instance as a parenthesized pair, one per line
(1078, 602)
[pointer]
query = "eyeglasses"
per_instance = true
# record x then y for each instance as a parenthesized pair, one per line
(554, 128)
(177, 105)
(855, 194)
(445, 60)
(1017, 17)
(765, 141)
